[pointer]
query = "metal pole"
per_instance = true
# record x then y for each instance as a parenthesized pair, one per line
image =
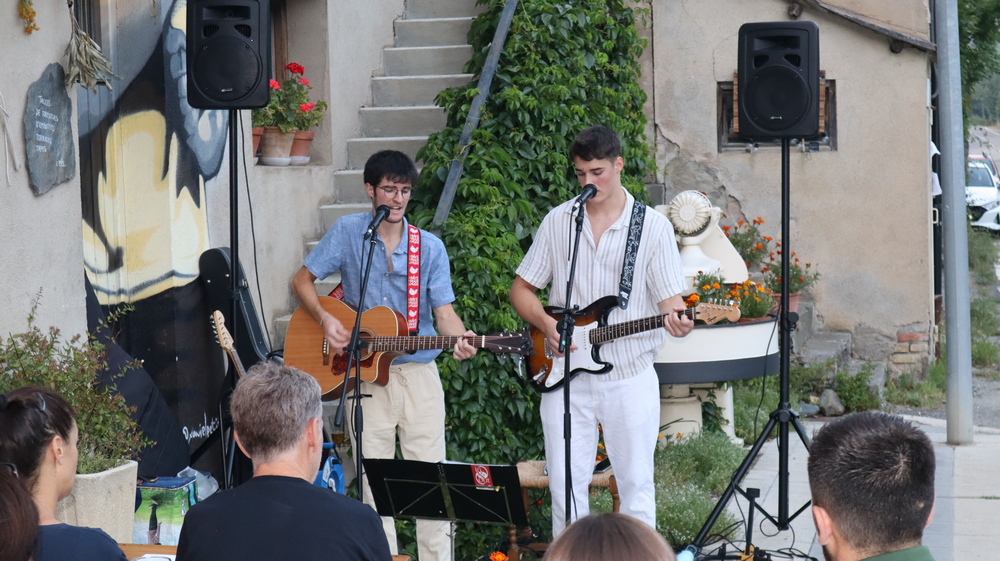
(956, 249)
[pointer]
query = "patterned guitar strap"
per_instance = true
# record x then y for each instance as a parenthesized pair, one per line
(631, 250)
(412, 280)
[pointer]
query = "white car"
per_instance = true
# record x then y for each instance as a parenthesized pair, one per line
(981, 192)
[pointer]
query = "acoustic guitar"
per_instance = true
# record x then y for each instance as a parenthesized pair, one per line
(546, 371)
(384, 336)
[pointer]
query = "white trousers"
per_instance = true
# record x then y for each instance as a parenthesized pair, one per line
(410, 406)
(629, 414)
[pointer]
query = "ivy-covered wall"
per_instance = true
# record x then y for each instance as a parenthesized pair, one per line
(565, 66)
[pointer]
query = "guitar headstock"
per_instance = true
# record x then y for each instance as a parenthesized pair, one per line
(717, 310)
(515, 343)
(222, 335)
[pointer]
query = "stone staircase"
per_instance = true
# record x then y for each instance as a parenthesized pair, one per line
(429, 53)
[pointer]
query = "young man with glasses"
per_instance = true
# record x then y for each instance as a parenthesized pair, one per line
(407, 262)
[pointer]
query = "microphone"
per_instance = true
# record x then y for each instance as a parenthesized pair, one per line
(588, 193)
(381, 213)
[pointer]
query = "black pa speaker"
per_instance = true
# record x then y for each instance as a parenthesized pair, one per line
(778, 77)
(228, 53)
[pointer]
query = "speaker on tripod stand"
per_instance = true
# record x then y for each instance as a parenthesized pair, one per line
(778, 75)
(229, 67)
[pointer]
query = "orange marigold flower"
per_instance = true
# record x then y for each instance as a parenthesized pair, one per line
(759, 246)
(725, 228)
(740, 223)
(706, 287)
(715, 285)
(768, 238)
(802, 279)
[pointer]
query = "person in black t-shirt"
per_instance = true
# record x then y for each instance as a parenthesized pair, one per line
(279, 514)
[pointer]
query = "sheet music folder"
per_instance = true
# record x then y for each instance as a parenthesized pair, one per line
(488, 494)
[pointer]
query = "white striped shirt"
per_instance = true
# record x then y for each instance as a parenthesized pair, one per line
(658, 276)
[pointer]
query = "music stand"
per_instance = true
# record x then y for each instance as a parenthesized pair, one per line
(488, 494)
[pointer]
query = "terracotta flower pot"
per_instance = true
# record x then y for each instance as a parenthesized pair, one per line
(300, 147)
(793, 302)
(257, 133)
(276, 147)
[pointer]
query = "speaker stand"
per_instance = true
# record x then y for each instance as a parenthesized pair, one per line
(229, 443)
(781, 417)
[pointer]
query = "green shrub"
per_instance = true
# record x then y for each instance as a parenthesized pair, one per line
(912, 393)
(108, 435)
(690, 475)
(983, 256)
(855, 391)
(983, 317)
(984, 353)
(565, 66)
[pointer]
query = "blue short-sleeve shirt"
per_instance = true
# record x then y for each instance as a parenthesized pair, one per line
(343, 249)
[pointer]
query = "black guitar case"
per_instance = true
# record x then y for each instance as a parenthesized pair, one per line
(250, 342)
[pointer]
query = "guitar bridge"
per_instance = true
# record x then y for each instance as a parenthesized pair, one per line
(548, 351)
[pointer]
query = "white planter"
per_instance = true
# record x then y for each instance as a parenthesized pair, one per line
(718, 353)
(104, 500)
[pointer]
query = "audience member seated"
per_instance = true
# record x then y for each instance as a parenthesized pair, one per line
(872, 481)
(279, 513)
(38, 437)
(609, 537)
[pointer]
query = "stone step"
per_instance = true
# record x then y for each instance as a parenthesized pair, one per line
(402, 121)
(421, 9)
(394, 91)
(826, 345)
(422, 61)
(331, 213)
(360, 149)
(349, 184)
(433, 31)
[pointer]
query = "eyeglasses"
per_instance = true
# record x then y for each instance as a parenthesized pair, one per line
(391, 191)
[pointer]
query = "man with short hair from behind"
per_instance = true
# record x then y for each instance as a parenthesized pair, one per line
(872, 481)
(279, 513)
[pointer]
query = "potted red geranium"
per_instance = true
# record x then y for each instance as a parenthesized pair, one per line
(289, 111)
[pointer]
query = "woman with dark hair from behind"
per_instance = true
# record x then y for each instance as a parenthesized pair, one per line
(609, 537)
(38, 438)
(18, 516)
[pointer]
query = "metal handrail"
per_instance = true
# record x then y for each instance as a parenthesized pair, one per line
(472, 121)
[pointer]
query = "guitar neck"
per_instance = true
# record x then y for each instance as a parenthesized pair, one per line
(601, 335)
(420, 343)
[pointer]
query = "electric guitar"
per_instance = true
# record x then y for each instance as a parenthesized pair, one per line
(545, 370)
(384, 336)
(225, 341)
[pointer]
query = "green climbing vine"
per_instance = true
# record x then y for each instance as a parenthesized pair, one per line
(565, 66)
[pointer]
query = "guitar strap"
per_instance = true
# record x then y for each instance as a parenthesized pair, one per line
(631, 250)
(412, 280)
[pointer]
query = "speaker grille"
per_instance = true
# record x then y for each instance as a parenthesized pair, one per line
(779, 98)
(244, 30)
(237, 68)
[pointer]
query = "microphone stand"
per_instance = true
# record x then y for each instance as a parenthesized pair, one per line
(354, 359)
(565, 344)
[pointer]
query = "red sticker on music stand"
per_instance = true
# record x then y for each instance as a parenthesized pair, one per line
(481, 477)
